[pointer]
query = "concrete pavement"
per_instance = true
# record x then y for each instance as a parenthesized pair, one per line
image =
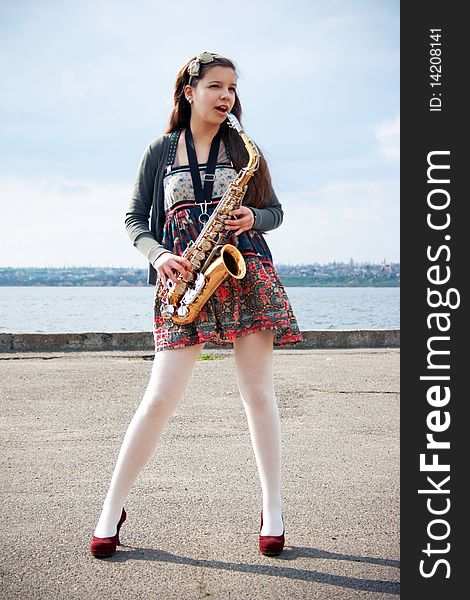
(193, 513)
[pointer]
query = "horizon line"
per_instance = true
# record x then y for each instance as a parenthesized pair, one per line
(334, 261)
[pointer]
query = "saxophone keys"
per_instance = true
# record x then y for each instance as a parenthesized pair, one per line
(167, 310)
(200, 282)
(180, 287)
(182, 311)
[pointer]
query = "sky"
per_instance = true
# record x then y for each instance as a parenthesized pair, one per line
(87, 84)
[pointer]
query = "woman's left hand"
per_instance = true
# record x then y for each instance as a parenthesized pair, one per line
(244, 219)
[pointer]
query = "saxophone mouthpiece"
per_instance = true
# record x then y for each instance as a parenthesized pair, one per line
(234, 122)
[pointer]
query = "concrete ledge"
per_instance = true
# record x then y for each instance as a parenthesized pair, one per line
(143, 340)
(350, 338)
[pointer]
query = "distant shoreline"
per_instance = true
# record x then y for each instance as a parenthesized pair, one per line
(334, 274)
(285, 284)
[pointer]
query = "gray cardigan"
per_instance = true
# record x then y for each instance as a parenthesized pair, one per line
(148, 201)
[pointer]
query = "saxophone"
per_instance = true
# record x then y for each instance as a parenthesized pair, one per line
(182, 301)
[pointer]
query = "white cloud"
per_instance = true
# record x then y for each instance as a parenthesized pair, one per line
(338, 221)
(73, 222)
(388, 136)
(86, 85)
(56, 222)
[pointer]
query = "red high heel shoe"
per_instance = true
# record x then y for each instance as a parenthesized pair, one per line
(101, 547)
(270, 545)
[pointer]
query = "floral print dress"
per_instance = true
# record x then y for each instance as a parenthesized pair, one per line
(239, 306)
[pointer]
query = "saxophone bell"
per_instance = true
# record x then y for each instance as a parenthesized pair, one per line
(233, 261)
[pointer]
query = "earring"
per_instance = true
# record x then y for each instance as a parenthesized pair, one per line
(189, 100)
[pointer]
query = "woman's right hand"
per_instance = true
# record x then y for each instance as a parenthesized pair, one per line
(170, 265)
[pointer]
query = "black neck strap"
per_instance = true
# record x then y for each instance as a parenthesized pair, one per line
(209, 176)
(228, 147)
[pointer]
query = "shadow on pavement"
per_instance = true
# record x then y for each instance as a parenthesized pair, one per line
(275, 570)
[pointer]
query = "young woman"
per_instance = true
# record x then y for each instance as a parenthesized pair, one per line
(182, 176)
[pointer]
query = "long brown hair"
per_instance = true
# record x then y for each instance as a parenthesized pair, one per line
(260, 187)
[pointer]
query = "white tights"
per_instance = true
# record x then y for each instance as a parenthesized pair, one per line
(168, 381)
